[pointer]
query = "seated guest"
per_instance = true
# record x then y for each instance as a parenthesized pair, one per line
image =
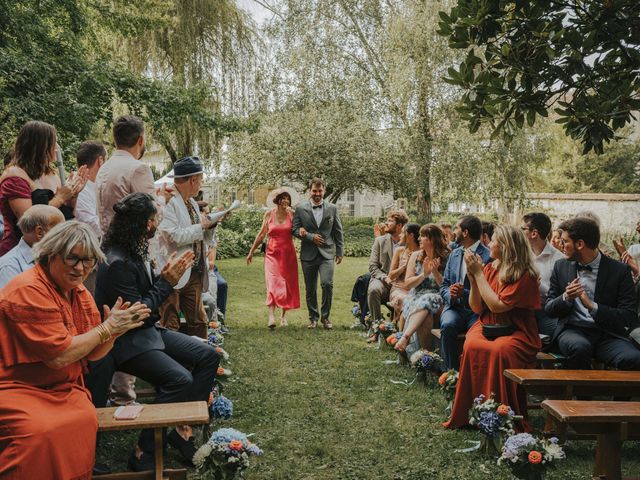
(34, 224)
(180, 367)
(457, 317)
(592, 295)
(424, 277)
(504, 293)
(49, 329)
(487, 232)
(536, 228)
(382, 252)
(603, 247)
(410, 239)
(555, 239)
(632, 256)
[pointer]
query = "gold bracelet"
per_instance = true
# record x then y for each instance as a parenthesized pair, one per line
(104, 333)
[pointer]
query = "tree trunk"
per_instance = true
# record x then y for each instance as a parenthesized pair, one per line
(422, 140)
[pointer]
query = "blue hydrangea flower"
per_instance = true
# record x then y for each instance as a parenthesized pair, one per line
(222, 407)
(489, 423)
(479, 399)
(426, 361)
(515, 443)
(225, 435)
(254, 450)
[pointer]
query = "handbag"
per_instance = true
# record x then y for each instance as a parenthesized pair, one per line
(491, 332)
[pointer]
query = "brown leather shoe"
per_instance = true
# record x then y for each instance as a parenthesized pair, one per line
(312, 324)
(327, 324)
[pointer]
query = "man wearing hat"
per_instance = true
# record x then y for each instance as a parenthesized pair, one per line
(183, 228)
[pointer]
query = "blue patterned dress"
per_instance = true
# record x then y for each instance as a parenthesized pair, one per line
(425, 296)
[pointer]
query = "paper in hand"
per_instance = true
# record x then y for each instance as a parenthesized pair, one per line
(216, 216)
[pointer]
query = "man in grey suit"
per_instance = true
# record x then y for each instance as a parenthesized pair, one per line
(317, 224)
(382, 252)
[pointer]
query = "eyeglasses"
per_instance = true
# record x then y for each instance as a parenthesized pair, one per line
(73, 260)
(524, 228)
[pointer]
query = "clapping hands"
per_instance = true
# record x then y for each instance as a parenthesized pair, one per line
(175, 267)
(124, 316)
(430, 265)
(473, 263)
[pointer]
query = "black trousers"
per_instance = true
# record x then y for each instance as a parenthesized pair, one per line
(184, 371)
(580, 345)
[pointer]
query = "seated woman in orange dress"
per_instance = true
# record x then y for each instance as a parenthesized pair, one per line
(506, 293)
(49, 329)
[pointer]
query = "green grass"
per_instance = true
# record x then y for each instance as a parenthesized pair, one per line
(321, 404)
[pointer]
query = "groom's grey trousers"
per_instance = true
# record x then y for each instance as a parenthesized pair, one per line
(310, 270)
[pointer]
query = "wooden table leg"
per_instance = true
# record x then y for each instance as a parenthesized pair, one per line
(159, 453)
(608, 461)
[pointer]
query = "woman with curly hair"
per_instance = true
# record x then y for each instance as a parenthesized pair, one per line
(424, 276)
(156, 355)
(504, 292)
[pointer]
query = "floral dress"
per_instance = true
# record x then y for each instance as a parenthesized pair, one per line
(425, 296)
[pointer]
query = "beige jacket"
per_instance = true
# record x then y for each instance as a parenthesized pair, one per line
(381, 256)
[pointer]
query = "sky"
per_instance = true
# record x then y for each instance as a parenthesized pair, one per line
(259, 13)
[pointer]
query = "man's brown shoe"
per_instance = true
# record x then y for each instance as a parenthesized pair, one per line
(312, 324)
(327, 324)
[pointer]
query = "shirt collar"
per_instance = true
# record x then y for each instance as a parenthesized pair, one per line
(25, 251)
(595, 263)
(321, 204)
(475, 246)
(548, 250)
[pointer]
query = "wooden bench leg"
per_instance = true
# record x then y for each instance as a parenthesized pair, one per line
(608, 461)
(159, 453)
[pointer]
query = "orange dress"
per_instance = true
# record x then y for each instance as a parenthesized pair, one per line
(48, 424)
(484, 361)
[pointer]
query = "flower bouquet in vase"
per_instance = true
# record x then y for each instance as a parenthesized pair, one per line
(494, 420)
(529, 457)
(448, 382)
(427, 364)
(225, 455)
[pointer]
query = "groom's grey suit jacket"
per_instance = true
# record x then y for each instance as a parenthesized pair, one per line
(330, 228)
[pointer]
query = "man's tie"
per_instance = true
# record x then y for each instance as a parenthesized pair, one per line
(584, 267)
(316, 206)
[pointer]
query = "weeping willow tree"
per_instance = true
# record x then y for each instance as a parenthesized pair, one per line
(208, 48)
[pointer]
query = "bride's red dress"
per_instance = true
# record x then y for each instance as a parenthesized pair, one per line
(281, 265)
(484, 361)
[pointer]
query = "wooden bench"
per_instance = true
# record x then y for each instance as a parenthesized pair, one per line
(155, 416)
(612, 422)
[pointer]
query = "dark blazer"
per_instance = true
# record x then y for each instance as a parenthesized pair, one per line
(330, 228)
(452, 275)
(122, 276)
(614, 295)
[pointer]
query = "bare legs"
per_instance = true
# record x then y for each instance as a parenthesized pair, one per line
(272, 317)
(420, 321)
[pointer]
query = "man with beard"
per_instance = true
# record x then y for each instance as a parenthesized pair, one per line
(181, 368)
(592, 295)
(382, 252)
(317, 224)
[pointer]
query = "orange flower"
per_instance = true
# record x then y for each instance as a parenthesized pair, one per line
(235, 445)
(503, 409)
(213, 325)
(218, 350)
(381, 327)
(535, 457)
(210, 399)
(443, 378)
(392, 340)
(220, 371)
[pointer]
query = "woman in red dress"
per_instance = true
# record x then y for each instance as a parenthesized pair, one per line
(504, 292)
(49, 329)
(280, 260)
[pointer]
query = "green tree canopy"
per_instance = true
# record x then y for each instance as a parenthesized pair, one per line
(524, 57)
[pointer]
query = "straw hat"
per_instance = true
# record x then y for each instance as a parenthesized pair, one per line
(295, 197)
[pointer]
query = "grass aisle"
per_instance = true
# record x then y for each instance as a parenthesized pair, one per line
(321, 404)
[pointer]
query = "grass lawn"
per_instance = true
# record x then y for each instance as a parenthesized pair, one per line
(322, 406)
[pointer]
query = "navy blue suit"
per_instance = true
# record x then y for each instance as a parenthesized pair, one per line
(457, 316)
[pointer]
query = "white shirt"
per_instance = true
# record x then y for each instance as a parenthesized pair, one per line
(463, 267)
(87, 210)
(634, 251)
(15, 261)
(317, 212)
(545, 262)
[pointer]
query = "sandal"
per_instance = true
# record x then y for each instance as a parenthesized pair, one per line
(272, 324)
(401, 344)
(283, 322)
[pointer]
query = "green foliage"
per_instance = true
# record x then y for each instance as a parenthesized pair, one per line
(329, 141)
(524, 57)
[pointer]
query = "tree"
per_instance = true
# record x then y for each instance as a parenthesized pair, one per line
(525, 57)
(328, 141)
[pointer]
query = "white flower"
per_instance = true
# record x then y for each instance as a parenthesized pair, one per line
(201, 454)
(553, 451)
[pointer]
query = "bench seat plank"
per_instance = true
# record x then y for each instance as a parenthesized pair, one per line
(582, 411)
(156, 415)
(593, 378)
